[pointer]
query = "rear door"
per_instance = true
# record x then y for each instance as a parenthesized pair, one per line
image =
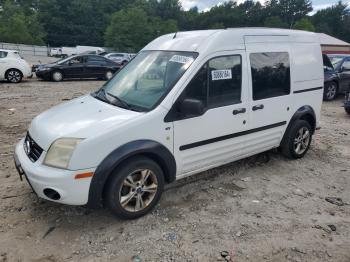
(270, 97)
(214, 138)
(95, 66)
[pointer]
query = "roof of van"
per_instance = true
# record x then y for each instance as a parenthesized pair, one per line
(228, 39)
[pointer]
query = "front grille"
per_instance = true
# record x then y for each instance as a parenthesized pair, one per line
(32, 149)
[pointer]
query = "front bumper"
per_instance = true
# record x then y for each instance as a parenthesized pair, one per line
(41, 177)
(43, 74)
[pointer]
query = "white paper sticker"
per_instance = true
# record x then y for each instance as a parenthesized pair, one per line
(221, 74)
(181, 59)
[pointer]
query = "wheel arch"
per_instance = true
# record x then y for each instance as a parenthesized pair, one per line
(13, 68)
(152, 149)
(306, 113)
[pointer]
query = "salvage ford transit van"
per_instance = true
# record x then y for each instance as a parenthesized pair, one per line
(188, 102)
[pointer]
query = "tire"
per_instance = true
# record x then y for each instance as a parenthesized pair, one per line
(123, 189)
(347, 110)
(108, 75)
(330, 91)
(57, 76)
(293, 146)
(14, 76)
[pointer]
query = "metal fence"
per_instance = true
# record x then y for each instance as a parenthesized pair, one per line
(32, 50)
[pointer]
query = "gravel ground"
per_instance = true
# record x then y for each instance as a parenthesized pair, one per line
(265, 208)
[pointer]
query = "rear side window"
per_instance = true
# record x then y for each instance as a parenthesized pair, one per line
(270, 74)
(3, 54)
(95, 59)
(218, 83)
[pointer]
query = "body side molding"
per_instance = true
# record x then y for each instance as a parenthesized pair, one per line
(152, 149)
(221, 138)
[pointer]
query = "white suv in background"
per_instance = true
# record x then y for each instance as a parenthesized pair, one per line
(188, 102)
(13, 67)
(120, 58)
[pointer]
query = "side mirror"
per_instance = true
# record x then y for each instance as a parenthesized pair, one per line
(70, 62)
(192, 107)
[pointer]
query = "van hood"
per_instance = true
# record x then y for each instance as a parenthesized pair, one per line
(83, 117)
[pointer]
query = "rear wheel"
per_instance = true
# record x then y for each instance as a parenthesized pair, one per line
(57, 76)
(108, 75)
(14, 76)
(297, 140)
(330, 91)
(135, 188)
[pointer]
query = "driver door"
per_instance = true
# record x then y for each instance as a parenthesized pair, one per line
(209, 140)
(74, 68)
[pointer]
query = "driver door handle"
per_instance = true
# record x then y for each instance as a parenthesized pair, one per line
(258, 107)
(239, 111)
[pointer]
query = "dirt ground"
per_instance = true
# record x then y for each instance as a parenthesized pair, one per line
(264, 208)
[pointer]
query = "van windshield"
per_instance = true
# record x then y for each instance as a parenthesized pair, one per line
(146, 79)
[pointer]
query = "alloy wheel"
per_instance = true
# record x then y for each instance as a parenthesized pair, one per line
(331, 91)
(138, 190)
(57, 76)
(109, 75)
(302, 140)
(14, 76)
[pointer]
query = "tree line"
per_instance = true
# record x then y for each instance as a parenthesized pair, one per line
(130, 24)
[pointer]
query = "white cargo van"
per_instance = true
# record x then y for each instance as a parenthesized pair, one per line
(186, 103)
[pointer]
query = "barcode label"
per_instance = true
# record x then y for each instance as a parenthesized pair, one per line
(221, 75)
(181, 59)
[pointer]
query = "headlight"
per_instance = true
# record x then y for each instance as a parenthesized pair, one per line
(60, 152)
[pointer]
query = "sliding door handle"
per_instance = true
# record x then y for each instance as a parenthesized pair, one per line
(239, 111)
(258, 107)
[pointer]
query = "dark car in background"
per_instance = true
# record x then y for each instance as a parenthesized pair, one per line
(341, 83)
(331, 79)
(78, 67)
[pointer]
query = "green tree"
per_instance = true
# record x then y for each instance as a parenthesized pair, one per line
(275, 22)
(18, 25)
(334, 20)
(289, 11)
(131, 29)
(304, 24)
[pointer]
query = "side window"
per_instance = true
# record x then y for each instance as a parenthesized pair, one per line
(218, 83)
(197, 88)
(3, 54)
(225, 84)
(270, 74)
(96, 59)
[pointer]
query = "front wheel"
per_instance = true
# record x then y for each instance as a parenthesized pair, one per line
(297, 140)
(14, 76)
(330, 91)
(135, 188)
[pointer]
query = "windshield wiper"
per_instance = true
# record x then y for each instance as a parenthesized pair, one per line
(117, 101)
(120, 101)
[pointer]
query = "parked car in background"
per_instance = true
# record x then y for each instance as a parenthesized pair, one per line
(331, 79)
(120, 58)
(341, 65)
(347, 102)
(78, 66)
(13, 67)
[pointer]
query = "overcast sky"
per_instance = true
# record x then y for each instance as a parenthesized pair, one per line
(205, 4)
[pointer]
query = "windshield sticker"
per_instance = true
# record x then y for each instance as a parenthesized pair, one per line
(221, 74)
(181, 59)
